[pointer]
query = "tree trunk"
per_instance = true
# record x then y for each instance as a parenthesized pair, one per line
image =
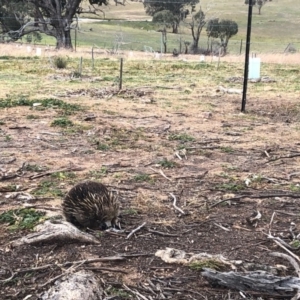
(259, 9)
(63, 39)
(175, 28)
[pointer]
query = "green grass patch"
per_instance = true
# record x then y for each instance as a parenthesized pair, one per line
(183, 137)
(35, 168)
(44, 103)
(227, 149)
(168, 164)
(21, 219)
(207, 263)
(62, 122)
(142, 177)
(98, 173)
(230, 186)
(63, 175)
(48, 188)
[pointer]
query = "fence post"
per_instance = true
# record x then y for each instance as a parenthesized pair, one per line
(241, 46)
(93, 57)
(121, 74)
(80, 65)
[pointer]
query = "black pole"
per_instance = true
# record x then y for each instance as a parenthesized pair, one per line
(247, 56)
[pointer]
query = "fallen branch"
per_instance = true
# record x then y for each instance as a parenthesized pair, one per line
(161, 173)
(134, 292)
(259, 196)
(281, 157)
(254, 281)
(291, 260)
(57, 171)
(175, 206)
(161, 233)
(53, 231)
(135, 230)
(222, 227)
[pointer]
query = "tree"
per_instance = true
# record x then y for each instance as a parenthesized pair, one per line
(223, 29)
(51, 17)
(258, 3)
(167, 19)
(196, 25)
(178, 8)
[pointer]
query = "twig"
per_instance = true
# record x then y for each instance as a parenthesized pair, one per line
(259, 196)
(288, 251)
(272, 218)
(51, 172)
(106, 269)
(10, 278)
(161, 233)
(175, 206)
(162, 173)
(290, 259)
(135, 230)
(281, 157)
(134, 292)
(220, 226)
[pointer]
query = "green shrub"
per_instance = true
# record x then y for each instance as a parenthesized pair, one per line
(60, 62)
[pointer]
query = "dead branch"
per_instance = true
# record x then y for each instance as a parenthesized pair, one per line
(161, 173)
(258, 196)
(161, 233)
(138, 294)
(260, 281)
(291, 260)
(135, 230)
(106, 269)
(175, 206)
(53, 231)
(222, 227)
(56, 171)
(282, 157)
(79, 285)
(284, 246)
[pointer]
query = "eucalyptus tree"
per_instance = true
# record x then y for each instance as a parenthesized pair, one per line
(179, 9)
(55, 18)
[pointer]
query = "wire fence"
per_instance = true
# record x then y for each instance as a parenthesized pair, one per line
(116, 38)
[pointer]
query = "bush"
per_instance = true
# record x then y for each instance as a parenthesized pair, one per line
(60, 62)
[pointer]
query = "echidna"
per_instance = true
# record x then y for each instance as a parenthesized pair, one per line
(90, 204)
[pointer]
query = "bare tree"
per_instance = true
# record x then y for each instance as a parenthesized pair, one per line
(196, 26)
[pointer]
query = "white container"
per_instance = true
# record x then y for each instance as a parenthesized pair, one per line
(38, 51)
(254, 68)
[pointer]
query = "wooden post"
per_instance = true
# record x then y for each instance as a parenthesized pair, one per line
(121, 74)
(80, 65)
(241, 46)
(93, 57)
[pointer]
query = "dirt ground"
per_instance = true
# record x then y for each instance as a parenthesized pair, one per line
(148, 153)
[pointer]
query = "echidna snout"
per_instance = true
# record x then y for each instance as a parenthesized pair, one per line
(90, 204)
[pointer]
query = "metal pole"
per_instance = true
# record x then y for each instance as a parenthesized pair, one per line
(247, 56)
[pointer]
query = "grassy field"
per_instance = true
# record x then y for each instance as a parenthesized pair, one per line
(272, 31)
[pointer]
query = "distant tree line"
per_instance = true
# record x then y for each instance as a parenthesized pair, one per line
(169, 14)
(56, 18)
